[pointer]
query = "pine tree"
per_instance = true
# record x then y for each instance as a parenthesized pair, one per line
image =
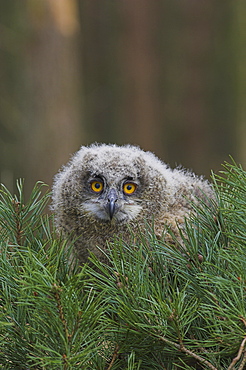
(153, 306)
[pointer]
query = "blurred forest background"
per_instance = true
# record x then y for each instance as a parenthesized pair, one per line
(167, 75)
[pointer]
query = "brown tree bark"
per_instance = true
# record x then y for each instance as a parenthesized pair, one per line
(140, 70)
(52, 106)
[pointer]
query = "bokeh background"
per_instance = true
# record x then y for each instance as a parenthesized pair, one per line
(167, 75)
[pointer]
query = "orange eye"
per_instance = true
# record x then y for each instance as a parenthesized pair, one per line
(129, 188)
(97, 186)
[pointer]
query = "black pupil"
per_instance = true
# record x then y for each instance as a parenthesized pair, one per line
(129, 187)
(97, 185)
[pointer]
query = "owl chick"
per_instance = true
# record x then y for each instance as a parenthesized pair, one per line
(104, 189)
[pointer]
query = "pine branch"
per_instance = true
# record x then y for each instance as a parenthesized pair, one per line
(18, 226)
(17, 218)
(114, 357)
(182, 348)
(237, 358)
(56, 291)
(241, 367)
(48, 319)
(156, 305)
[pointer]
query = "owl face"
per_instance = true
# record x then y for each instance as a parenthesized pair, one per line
(114, 201)
(108, 184)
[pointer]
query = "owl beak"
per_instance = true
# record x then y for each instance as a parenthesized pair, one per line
(112, 199)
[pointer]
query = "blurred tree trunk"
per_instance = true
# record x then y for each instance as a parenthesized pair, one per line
(140, 68)
(240, 53)
(41, 115)
(188, 104)
(198, 103)
(52, 107)
(99, 27)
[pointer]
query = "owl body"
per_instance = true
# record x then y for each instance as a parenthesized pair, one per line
(105, 189)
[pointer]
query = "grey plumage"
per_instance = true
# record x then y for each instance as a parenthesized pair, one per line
(104, 189)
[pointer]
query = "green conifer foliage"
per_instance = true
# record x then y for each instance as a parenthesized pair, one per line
(48, 320)
(154, 306)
